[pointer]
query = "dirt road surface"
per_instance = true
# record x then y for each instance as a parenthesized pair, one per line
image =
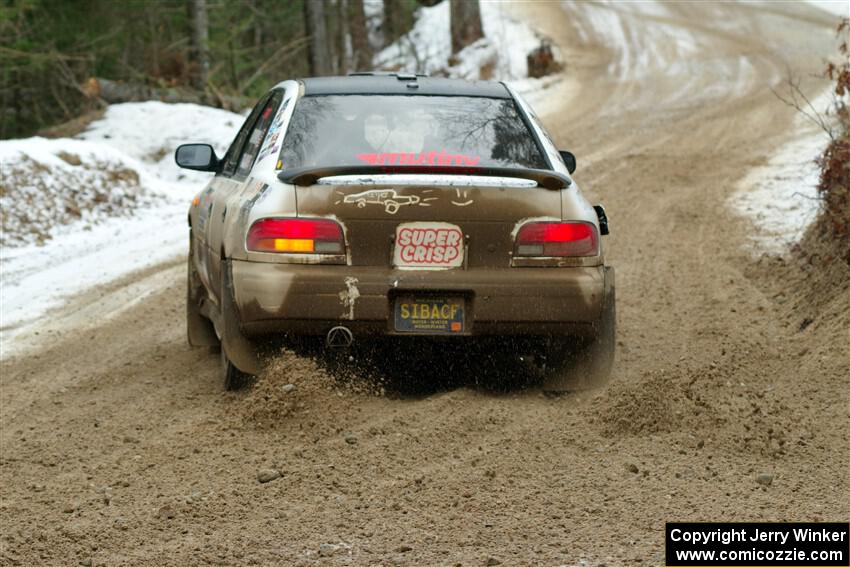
(119, 446)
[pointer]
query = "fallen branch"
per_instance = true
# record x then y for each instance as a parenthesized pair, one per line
(113, 92)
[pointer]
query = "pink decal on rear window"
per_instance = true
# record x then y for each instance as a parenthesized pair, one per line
(422, 158)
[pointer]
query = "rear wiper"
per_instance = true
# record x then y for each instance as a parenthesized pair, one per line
(310, 175)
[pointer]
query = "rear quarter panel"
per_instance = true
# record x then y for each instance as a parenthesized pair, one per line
(261, 194)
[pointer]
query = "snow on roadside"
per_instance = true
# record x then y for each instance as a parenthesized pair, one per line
(146, 226)
(48, 184)
(427, 48)
(36, 278)
(781, 197)
(839, 8)
(151, 131)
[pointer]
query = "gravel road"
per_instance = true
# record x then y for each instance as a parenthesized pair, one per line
(729, 401)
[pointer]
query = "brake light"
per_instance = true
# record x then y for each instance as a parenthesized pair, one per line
(557, 239)
(296, 236)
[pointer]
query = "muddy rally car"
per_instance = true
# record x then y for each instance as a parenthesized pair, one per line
(403, 207)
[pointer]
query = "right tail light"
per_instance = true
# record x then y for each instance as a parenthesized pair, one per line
(556, 239)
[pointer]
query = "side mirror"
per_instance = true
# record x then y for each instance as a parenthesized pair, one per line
(603, 219)
(200, 157)
(569, 160)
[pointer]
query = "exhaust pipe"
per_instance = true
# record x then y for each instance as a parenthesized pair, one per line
(339, 337)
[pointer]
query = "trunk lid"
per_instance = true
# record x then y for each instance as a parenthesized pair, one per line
(486, 210)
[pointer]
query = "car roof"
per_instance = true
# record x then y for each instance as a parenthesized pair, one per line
(402, 84)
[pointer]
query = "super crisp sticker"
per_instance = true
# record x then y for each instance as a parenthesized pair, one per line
(428, 245)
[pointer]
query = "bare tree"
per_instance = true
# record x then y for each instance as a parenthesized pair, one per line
(397, 20)
(797, 99)
(465, 23)
(318, 53)
(359, 36)
(342, 37)
(200, 50)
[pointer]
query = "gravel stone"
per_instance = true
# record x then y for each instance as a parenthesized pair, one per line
(268, 475)
(166, 512)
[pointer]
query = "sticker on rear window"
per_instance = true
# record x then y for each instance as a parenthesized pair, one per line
(428, 245)
(422, 158)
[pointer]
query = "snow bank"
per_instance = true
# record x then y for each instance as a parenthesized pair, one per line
(119, 165)
(781, 197)
(150, 132)
(82, 212)
(839, 8)
(47, 184)
(427, 48)
(37, 278)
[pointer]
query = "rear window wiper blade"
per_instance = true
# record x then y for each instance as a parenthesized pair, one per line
(310, 175)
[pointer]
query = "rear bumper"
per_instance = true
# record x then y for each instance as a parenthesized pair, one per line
(310, 299)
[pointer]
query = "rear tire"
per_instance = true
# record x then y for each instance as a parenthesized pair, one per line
(239, 357)
(586, 364)
(233, 378)
(199, 330)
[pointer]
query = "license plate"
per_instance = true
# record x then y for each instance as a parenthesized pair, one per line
(430, 315)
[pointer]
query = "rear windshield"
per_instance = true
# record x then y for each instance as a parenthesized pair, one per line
(337, 130)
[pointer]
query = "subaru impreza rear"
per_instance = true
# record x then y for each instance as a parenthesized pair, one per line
(416, 208)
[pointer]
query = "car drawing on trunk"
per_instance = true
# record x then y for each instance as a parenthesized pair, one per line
(390, 200)
(398, 207)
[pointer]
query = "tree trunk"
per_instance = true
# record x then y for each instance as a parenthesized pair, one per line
(465, 23)
(397, 20)
(336, 28)
(362, 56)
(342, 61)
(154, 46)
(200, 50)
(318, 52)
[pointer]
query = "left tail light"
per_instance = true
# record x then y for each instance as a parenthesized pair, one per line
(556, 239)
(296, 236)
